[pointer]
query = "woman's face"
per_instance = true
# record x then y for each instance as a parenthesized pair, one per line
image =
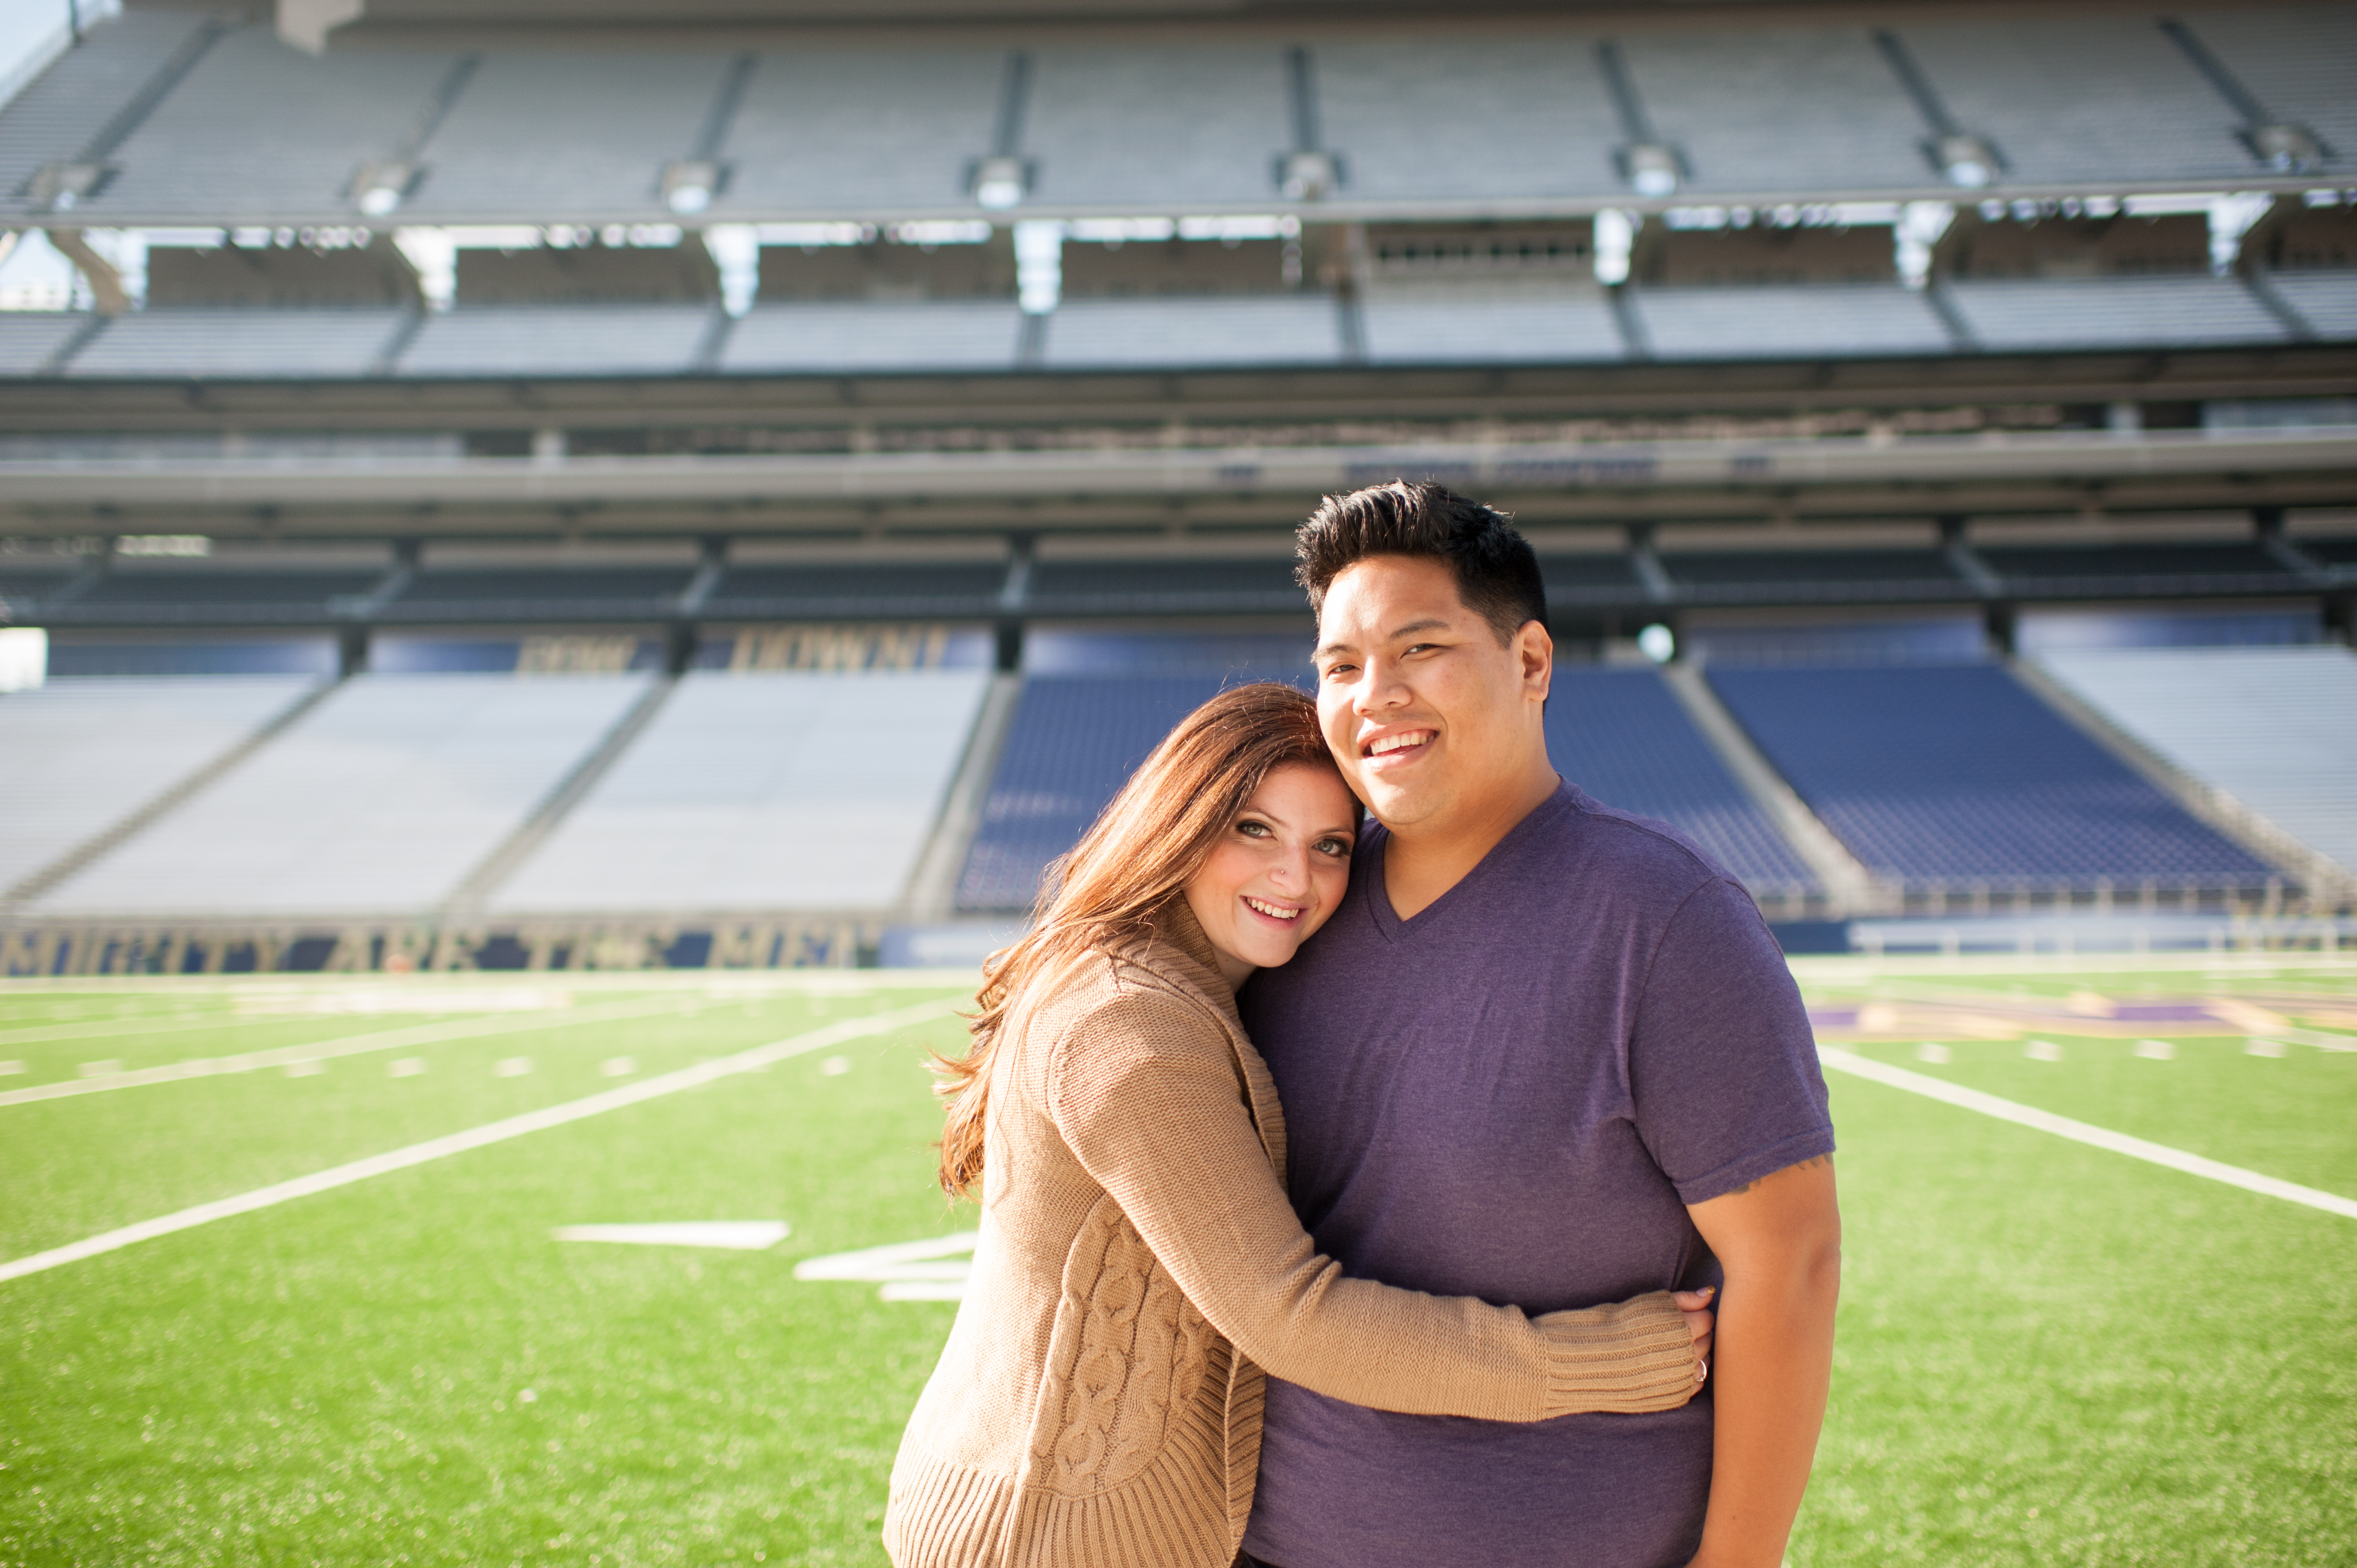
(1278, 871)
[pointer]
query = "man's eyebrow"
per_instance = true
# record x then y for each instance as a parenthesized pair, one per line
(1429, 623)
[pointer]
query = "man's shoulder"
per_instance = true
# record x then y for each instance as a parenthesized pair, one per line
(1633, 860)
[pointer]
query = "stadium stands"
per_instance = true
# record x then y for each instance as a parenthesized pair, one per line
(1955, 778)
(30, 341)
(1213, 115)
(240, 344)
(1074, 740)
(1846, 321)
(1133, 334)
(377, 803)
(2275, 728)
(2112, 313)
(558, 592)
(833, 589)
(64, 113)
(760, 792)
(1163, 588)
(2325, 300)
(83, 754)
(2062, 571)
(1621, 736)
(1467, 323)
(163, 593)
(874, 335)
(850, 132)
(557, 339)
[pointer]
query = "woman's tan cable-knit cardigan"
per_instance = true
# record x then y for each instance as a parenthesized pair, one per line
(1098, 1404)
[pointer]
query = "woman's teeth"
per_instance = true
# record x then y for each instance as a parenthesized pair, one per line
(1273, 911)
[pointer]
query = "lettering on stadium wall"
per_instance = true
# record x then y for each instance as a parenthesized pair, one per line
(840, 648)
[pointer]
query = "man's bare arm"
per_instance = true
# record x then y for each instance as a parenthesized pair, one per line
(1780, 1241)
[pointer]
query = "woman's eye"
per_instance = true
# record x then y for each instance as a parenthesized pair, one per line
(1252, 829)
(1334, 847)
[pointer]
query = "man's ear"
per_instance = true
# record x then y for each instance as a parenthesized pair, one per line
(1535, 651)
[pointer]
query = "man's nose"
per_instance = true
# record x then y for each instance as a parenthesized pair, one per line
(1378, 687)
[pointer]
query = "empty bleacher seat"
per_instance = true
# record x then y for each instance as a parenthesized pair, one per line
(827, 590)
(789, 790)
(2114, 311)
(1590, 579)
(85, 753)
(1450, 119)
(57, 115)
(874, 335)
(2297, 61)
(1956, 774)
(1179, 124)
(1469, 323)
(1773, 107)
(2327, 301)
(260, 118)
(230, 344)
(1165, 587)
(379, 801)
(1736, 577)
(30, 340)
(836, 130)
(196, 595)
(558, 340)
(1075, 740)
(577, 134)
(1623, 737)
(2070, 99)
(1291, 329)
(2274, 727)
(2138, 568)
(470, 594)
(1796, 321)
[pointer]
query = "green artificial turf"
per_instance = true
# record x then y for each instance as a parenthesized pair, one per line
(2049, 1353)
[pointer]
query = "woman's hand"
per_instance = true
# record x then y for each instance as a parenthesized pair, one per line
(1696, 1307)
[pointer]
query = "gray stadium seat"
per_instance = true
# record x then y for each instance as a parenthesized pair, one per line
(2327, 301)
(2113, 313)
(30, 340)
(558, 340)
(1789, 322)
(874, 335)
(1176, 126)
(227, 344)
(1476, 323)
(833, 132)
(1287, 330)
(55, 118)
(788, 791)
(1459, 120)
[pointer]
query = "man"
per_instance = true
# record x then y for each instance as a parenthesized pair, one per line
(1545, 1053)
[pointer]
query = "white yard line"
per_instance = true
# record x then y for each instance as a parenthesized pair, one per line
(156, 1023)
(350, 1046)
(478, 1137)
(2084, 1132)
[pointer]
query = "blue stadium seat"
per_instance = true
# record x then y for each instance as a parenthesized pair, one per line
(1621, 736)
(1956, 774)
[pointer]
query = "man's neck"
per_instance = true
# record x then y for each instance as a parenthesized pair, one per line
(1424, 861)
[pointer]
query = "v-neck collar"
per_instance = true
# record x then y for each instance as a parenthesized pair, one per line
(1377, 891)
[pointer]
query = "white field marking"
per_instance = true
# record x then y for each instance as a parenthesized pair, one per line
(405, 1066)
(346, 1045)
(2084, 1133)
(835, 1066)
(1933, 1051)
(149, 1024)
(619, 1067)
(106, 1068)
(2256, 1047)
(931, 1270)
(737, 1235)
(400, 999)
(310, 1068)
(479, 1137)
(9, 1068)
(2043, 1051)
(511, 1067)
(2156, 1050)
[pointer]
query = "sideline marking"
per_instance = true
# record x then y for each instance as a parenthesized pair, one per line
(736, 1235)
(343, 1046)
(334, 1176)
(930, 1270)
(2084, 1132)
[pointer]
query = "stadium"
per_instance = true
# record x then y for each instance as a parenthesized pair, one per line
(557, 553)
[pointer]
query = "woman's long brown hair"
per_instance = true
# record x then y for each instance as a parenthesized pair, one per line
(1144, 848)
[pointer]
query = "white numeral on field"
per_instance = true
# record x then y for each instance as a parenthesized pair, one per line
(513, 1066)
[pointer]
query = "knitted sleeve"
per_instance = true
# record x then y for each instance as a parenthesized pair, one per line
(1143, 1091)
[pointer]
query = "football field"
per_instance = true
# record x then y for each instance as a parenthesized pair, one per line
(585, 1269)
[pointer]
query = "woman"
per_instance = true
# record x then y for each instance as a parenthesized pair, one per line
(1099, 1399)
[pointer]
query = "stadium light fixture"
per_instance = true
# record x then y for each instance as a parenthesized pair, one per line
(1615, 239)
(379, 189)
(1308, 175)
(1652, 170)
(1658, 643)
(2284, 147)
(689, 185)
(999, 182)
(1967, 162)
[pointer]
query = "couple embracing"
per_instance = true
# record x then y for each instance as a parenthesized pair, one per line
(1451, 1188)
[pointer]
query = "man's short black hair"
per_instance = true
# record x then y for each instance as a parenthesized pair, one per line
(1497, 573)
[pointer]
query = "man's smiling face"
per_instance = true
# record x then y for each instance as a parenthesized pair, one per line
(1426, 712)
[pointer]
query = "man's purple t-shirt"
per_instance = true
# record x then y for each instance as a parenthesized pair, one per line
(1514, 1096)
